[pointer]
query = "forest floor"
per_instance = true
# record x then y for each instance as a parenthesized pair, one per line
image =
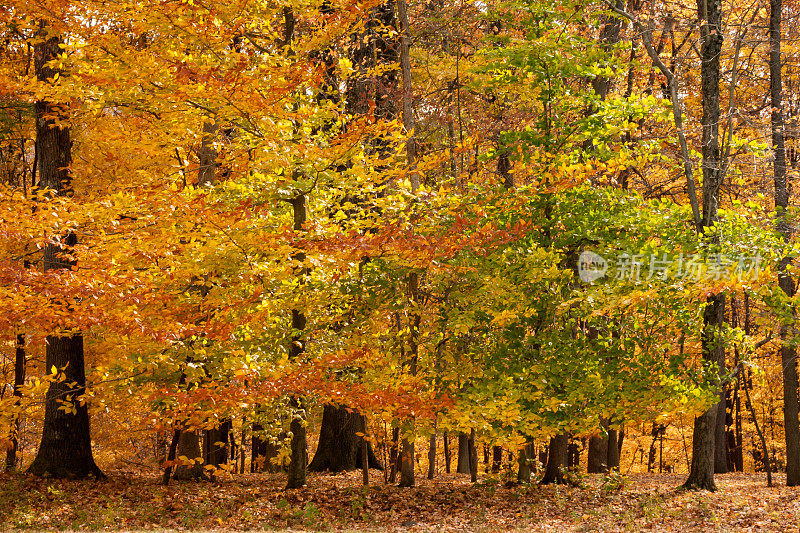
(128, 501)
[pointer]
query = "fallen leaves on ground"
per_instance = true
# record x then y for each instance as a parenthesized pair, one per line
(639, 502)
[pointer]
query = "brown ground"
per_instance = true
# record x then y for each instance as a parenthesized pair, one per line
(337, 502)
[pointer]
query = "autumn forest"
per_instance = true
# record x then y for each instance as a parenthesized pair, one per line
(377, 264)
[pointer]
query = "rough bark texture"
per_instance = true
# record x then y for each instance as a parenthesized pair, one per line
(432, 457)
(66, 447)
(497, 458)
(207, 155)
(720, 441)
(19, 380)
(339, 448)
(463, 454)
(298, 460)
(614, 448)
(447, 454)
(473, 456)
(263, 453)
(189, 447)
(556, 460)
(407, 462)
(597, 456)
(701, 475)
(216, 443)
(788, 352)
(527, 463)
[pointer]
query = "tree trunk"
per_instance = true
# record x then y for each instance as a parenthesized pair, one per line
(556, 460)
(497, 458)
(298, 459)
(339, 448)
(189, 447)
(216, 444)
(720, 440)
(432, 457)
(66, 446)
(527, 459)
(447, 455)
(473, 456)
(614, 449)
(463, 466)
(788, 352)
(407, 462)
(19, 381)
(701, 475)
(394, 454)
(597, 456)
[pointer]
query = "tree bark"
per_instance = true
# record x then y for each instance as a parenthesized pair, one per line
(556, 460)
(432, 457)
(597, 456)
(189, 447)
(473, 456)
(66, 446)
(701, 475)
(19, 380)
(447, 454)
(497, 458)
(463, 465)
(527, 460)
(339, 448)
(614, 449)
(785, 282)
(720, 440)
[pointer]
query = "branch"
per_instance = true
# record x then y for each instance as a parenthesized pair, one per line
(646, 34)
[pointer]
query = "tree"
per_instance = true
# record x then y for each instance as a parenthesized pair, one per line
(701, 475)
(788, 351)
(66, 446)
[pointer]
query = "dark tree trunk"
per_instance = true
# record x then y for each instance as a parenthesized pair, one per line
(614, 449)
(298, 458)
(339, 448)
(655, 433)
(447, 458)
(497, 458)
(739, 454)
(216, 444)
(720, 441)
(407, 462)
(701, 475)
(573, 454)
(527, 462)
(473, 456)
(171, 454)
(432, 457)
(364, 453)
(189, 447)
(597, 456)
(66, 446)
(463, 454)
(394, 455)
(19, 381)
(788, 351)
(556, 460)
(264, 453)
